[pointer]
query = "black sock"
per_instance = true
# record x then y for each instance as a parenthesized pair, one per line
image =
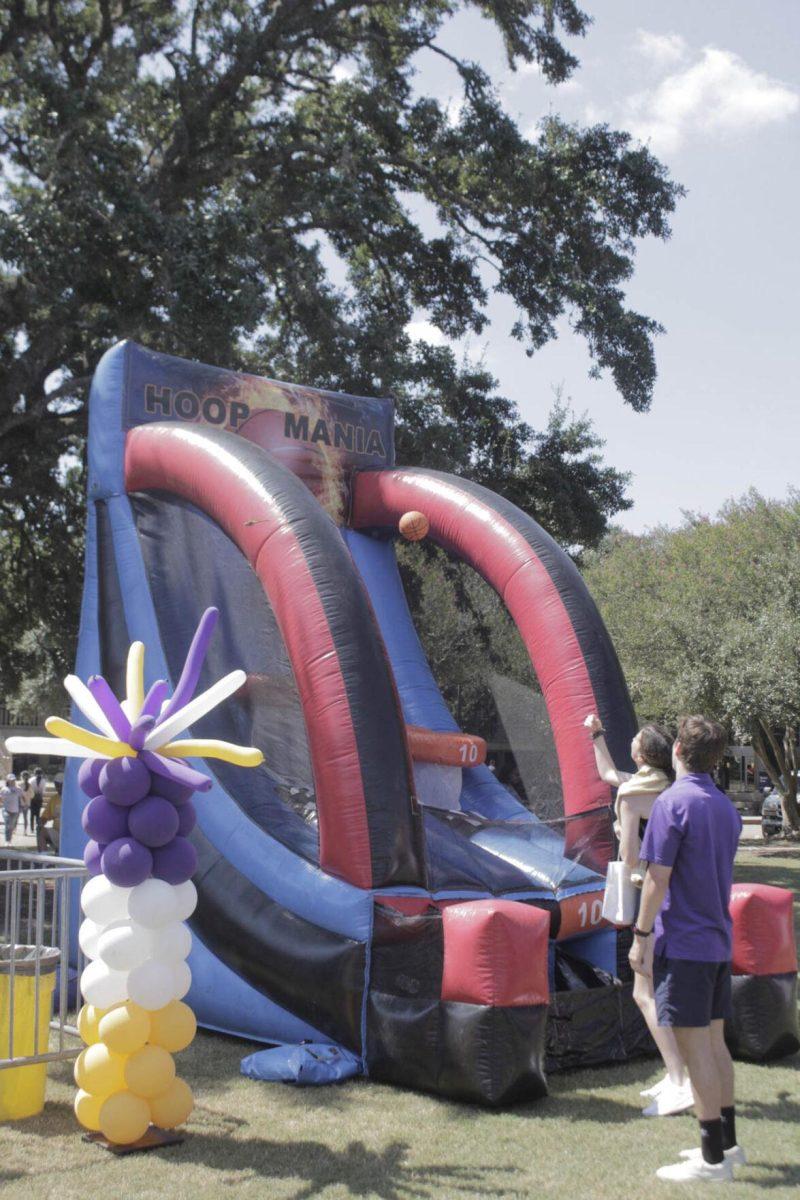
(728, 1127)
(711, 1140)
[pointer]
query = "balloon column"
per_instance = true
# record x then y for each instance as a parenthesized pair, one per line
(138, 818)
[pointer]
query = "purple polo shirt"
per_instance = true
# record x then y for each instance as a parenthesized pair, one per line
(694, 829)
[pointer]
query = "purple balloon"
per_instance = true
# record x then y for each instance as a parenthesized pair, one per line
(187, 818)
(154, 699)
(111, 706)
(127, 862)
(139, 731)
(193, 664)
(125, 781)
(103, 821)
(92, 853)
(89, 775)
(176, 771)
(154, 821)
(176, 793)
(176, 862)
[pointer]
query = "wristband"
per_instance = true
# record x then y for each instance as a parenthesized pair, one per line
(643, 933)
(598, 733)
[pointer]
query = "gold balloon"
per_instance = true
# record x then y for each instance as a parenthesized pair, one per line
(87, 1109)
(149, 1071)
(88, 1020)
(174, 1106)
(124, 1118)
(125, 1028)
(173, 1026)
(99, 1071)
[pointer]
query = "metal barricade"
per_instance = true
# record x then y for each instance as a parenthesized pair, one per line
(39, 903)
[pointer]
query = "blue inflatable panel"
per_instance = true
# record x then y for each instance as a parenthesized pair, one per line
(599, 949)
(456, 862)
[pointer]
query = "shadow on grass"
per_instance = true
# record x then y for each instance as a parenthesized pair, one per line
(385, 1174)
(778, 1175)
(784, 1107)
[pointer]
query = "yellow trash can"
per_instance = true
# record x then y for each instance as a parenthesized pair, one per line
(22, 1088)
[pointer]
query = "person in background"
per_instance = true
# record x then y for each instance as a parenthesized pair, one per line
(683, 939)
(26, 796)
(39, 785)
(651, 750)
(11, 798)
(50, 826)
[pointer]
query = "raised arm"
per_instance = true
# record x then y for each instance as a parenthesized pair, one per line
(605, 764)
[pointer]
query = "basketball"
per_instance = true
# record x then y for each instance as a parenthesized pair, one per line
(413, 526)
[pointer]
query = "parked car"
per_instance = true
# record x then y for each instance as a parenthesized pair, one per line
(771, 815)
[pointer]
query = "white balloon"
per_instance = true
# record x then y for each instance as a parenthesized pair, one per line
(104, 902)
(102, 986)
(89, 933)
(183, 979)
(88, 705)
(153, 904)
(125, 946)
(172, 943)
(153, 984)
(185, 899)
(191, 713)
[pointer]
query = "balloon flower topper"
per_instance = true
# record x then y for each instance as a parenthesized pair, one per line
(138, 819)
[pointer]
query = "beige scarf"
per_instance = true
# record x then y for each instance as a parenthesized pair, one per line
(648, 781)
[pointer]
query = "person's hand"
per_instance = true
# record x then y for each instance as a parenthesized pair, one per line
(640, 956)
(593, 723)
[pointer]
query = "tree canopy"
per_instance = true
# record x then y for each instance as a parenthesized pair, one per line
(262, 184)
(706, 618)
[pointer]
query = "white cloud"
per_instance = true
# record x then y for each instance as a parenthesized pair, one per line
(717, 94)
(424, 331)
(663, 49)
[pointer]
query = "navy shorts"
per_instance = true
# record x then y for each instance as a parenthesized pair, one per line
(691, 994)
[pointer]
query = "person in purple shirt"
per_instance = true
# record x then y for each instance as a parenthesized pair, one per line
(682, 937)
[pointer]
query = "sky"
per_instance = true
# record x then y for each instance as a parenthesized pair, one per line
(713, 88)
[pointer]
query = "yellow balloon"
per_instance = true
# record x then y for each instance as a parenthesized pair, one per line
(174, 1106)
(88, 1020)
(87, 1109)
(125, 1028)
(149, 1071)
(124, 1118)
(99, 1071)
(240, 756)
(84, 737)
(173, 1026)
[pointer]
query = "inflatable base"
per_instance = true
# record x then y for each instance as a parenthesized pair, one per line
(764, 1024)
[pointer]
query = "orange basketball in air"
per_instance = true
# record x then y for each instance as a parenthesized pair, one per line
(414, 526)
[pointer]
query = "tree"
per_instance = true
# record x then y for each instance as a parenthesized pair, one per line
(706, 618)
(239, 181)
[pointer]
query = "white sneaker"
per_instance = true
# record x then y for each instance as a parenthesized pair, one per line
(656, 1088)
(697, 1170)
(735, 1155)
(670, 1100)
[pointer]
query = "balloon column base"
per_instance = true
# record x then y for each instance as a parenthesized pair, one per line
(154, 1139)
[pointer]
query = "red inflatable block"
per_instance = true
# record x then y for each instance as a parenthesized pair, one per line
(495, 952)
(763, 930)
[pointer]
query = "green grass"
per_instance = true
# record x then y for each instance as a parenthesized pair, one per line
(365, 1140)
